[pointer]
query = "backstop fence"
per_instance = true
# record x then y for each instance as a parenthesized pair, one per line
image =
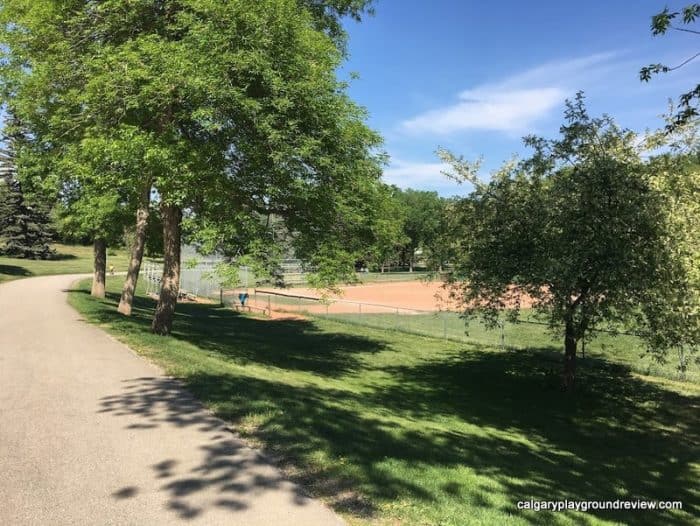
(443, 324)
(200, 280)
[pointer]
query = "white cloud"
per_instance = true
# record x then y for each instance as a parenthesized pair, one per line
(405, 174)
(488, 110)
(514, 103)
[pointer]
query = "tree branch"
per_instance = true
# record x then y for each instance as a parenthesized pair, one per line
(685, 61)
(686, 30)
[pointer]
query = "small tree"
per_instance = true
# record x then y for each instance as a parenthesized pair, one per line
(99, 218)
(577, 230)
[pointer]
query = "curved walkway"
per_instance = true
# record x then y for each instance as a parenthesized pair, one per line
(92, 434)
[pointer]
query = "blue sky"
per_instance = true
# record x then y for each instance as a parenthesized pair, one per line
(475, 77)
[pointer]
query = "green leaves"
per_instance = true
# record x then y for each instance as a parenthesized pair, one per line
(671, 312)
(586, 230)
(231, 109)
(661, 23)
(647, 72)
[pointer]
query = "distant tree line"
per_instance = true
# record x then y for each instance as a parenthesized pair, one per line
(412, 231)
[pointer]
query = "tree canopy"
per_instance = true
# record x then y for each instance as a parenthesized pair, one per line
(579, 230)
(230, 110)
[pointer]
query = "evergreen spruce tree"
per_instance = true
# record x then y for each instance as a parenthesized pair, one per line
(25, 230)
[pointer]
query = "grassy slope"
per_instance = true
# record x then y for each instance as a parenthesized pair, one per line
(394, 428)
(624, 349)
(70, 259)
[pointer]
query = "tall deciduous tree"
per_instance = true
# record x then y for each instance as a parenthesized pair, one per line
(440, 245)
(671, 314)
(578, 229)
(234, 101)
(389, 231)
(99, 218)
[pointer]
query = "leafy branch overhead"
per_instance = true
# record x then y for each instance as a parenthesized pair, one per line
(681, 21)
(231, 111)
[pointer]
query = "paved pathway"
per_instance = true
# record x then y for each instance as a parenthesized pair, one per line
(92, 434)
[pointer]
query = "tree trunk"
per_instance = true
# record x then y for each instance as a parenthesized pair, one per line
(99, 269)
(170, 284)
(569, 376)
(410, 265)
(132, 274)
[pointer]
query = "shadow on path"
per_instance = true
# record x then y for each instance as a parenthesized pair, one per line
(618, 437)
(226, 469)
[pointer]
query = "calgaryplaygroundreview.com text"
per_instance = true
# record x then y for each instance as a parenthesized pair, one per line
(595, 505)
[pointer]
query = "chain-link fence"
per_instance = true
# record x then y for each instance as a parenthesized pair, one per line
(526, 333)
(201, 280)
(436, 324)
(196, 280)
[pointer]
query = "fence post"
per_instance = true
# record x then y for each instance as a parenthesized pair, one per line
(503, 335)
(221, 297)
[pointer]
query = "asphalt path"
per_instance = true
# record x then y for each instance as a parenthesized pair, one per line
(91, 433)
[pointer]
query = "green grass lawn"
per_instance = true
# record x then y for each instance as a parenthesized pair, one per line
(69, 259)
(624, 349)
(530, 332)
(394, 428)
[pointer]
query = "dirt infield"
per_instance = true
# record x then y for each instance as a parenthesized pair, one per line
(375, 297)
(408, 297)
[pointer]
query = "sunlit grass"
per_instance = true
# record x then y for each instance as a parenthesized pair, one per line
(69, 259)
(394, 428)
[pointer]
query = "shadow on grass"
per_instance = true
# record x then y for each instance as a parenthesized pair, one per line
(618, 437)
(287, 344)
(58, 256)
(13, 270)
